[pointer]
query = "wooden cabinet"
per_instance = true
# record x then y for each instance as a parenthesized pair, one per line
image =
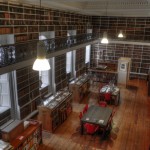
(30, 138)
(55, 110)
(79, 87)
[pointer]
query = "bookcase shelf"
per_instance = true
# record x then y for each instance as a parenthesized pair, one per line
(17, 17)
(80, 62)
(60, 72)
(139, 55)
(28, 90)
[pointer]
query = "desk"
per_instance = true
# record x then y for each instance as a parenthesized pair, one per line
(96, 115)
(115, 92)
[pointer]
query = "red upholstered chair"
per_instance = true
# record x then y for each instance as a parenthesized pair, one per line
(90, 128)
(85, 108)
(103, 104)
(107, 97)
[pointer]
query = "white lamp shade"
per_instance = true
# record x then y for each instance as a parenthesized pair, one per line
(120, 35)
(104, 40)
(41, 65)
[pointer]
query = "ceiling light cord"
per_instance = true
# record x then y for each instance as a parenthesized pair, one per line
(40, 18)
(104, 39)
(41, 63)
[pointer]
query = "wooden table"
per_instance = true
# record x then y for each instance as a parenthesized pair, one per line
(115, 92)
(96, 115)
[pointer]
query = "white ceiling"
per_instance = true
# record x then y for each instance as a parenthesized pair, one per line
(97, 7)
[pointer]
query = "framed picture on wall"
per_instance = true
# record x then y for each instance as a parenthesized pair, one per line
(123, 67)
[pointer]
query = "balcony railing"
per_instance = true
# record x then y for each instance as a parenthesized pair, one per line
(14, 53)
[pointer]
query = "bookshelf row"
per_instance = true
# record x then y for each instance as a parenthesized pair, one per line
(60, 72)
(112, 52)
(80, 62)
(28, 90)
(23, 21)
(134, 28)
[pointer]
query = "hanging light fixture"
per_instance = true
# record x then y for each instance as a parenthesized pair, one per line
(120, 35)
(41, 63)
(104, 40)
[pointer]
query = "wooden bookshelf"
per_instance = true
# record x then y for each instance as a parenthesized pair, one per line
(23, 21)
(60, 72)
(139, 55)
(134, 28)
(28, 90)
(80, 65)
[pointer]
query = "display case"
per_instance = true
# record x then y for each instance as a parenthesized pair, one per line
(79, 87)
(55, 110)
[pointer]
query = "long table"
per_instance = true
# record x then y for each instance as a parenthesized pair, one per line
(96, 115)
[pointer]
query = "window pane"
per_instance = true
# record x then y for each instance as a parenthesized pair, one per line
(87, 54)
(44, 78)
(5, 103)
(68, 62)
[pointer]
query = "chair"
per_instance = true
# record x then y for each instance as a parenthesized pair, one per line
(107, 97)
(90, 128)
(103, 104)
(85, 108)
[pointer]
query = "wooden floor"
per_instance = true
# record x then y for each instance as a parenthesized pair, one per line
(131, 125)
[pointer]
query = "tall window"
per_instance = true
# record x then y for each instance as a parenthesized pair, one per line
(5, 102)
(87, 54)
(70, 56)
(69, 62)
(46, 76)
(46, 79)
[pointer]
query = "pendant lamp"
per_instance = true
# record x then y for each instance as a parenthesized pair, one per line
(104, 39)
(120, 35)
(41, 63)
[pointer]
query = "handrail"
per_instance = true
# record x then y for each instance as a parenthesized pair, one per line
(14, 53)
